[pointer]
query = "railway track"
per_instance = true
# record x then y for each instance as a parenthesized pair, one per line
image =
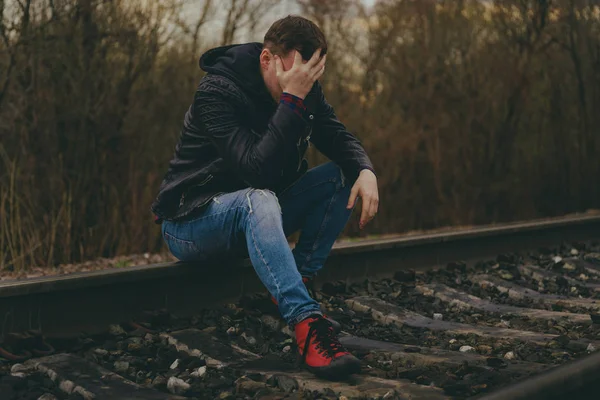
(504, 312)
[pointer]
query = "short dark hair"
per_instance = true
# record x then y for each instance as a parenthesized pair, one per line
(295, 33)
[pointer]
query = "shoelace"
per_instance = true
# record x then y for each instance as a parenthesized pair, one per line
(325, 339)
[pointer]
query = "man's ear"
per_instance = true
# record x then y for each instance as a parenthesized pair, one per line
(265, 58)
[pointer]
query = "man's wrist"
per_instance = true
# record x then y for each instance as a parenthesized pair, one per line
(294, 102)
(366, 168)
(295, 94)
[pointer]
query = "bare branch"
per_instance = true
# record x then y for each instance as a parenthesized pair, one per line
(201, 21)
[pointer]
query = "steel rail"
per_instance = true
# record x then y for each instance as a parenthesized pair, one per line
(577, 380)
(87, 302)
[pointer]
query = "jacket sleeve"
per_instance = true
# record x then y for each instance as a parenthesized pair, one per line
(258, 159)
(332, 139)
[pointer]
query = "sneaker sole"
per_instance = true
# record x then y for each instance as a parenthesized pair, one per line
(341, 369)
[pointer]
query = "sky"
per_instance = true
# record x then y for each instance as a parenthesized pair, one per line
(215, 23)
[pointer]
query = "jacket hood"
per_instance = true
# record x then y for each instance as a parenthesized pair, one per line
(239, 63)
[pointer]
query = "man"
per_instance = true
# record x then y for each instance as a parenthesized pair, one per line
(239, 182)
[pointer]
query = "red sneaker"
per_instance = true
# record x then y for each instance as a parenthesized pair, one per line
(321, 352)
(337, 327)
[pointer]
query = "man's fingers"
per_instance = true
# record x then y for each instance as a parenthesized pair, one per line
(373, 208)
(278, 66)
(321, 63)
(364, 215)
(370, 207)
(319, 69)
(297, 58)
(319, 74)
(314, 60)
(352, 198)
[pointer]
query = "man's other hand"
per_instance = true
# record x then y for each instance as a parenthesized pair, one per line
(365, 187)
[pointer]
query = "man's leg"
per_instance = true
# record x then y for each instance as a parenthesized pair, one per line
(316, 204)
(247, 218)
(253, 217)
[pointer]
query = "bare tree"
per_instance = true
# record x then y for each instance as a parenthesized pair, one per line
(244, 14)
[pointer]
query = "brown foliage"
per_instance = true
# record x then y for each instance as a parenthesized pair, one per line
(472, 111)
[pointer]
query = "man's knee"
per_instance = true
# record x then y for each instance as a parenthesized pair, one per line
(263, 201)
(334, 173)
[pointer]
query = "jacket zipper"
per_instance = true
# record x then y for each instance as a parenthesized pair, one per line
(205, 181)
(300, 158)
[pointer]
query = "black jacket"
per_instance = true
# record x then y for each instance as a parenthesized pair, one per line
(236, 136)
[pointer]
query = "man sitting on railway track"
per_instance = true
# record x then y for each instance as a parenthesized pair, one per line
(238, 181)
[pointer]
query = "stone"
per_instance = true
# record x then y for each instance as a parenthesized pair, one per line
(553, 344)
(116, 330)
(185, 375)
(121, 366)
(576, 346)
(134, 347)
(509, 356)
(438, 316)
(232, 330)
(18, 368)
(202, 371)
(67, 386)
(557, 259)
(249, 339)
(271, 322)
(466, 349)
(101, 352)
(136, 340)
(591, 348)
(496, 362)
(506, 275)
(248, 386)
(177, 386)
(160, 382)
(175, 364)
(286, 383)
(569, 267)
(452, 341)
(226, 395)
(574, 252)
(47, 396)
(195, 362)
(484, 349)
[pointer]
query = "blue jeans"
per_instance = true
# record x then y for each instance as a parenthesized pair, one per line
(252, 222)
